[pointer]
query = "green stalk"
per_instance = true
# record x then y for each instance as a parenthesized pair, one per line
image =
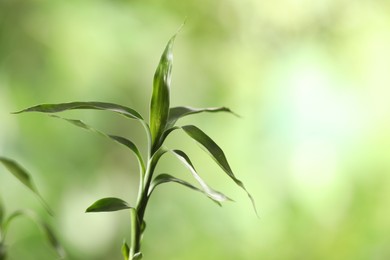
(135, 239)
(148, 136)
(138, 213)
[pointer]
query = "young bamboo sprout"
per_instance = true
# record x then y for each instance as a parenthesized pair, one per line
(162, 122)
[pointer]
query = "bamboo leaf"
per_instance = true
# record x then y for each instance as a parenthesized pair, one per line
(24, 177)
(217, 154)
(129, 144)
(119, 139)
(166, 178)
(165, 135)
(55, 108)
(159, 104)
(108, 204)
(125, 250)
(46, 229)
(20, 173)
(211, 193)
(81, 124)
(175, 113)
(154, 160)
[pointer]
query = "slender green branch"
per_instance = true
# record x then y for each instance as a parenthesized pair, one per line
(137, 214)
(135, 241)
(162, 122)
(149, 137)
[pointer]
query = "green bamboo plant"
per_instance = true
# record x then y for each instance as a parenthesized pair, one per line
(24, 177)
(162, 122)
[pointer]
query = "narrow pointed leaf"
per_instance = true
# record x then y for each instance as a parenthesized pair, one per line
(213, 194)
(19, 172)
(166, 178)
(217, 154)
(80, 124)
(55, 108)
(129, 144)
(108, 204)
(159, 104)
(165, 135)
(154, 160)
(46, 229)
(175, 113)
(125, 251)
(24, 177)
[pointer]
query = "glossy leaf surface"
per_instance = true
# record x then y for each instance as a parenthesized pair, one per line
(108, 204)
(216, 153)
(175, 113)
(129, 144)
(55, 108)
(119, 139)
(211, 193)
(159, 104)
(165, 135)
(166, 178)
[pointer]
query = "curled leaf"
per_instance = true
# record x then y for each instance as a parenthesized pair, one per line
(217, 154)
(108, 204)
(165, 135)
(211, 193)
(166, 178)
(175, 113)
(119, 139)
(129, 144)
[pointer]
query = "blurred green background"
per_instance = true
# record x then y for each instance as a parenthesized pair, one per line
(311, 80)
